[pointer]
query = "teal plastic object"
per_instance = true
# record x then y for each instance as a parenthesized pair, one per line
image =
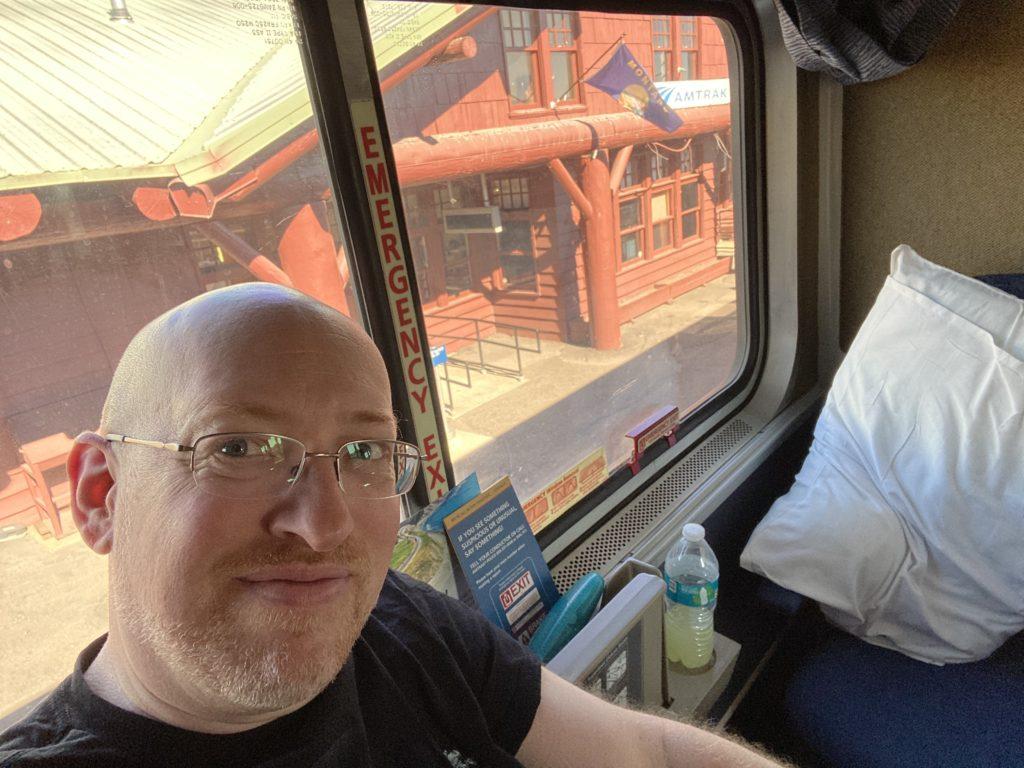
(568, 616)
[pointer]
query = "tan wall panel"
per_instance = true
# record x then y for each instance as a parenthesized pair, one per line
(935, 158)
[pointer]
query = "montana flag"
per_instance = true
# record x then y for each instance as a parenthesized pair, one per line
(625, 79)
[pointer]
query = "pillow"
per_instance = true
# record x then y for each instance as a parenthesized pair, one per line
(989, 308)
(906, 522)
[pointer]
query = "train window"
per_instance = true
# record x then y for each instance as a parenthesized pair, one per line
(143, 162)
(607, 287)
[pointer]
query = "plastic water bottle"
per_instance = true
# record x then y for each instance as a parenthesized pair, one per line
(691, 575)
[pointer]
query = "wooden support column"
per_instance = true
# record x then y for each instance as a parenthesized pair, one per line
(599, 253)
(311, 260)
(561, 173)
(619, 166)
(19, 215)
(259, 265)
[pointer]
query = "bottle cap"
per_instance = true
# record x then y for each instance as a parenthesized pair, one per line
(693, 532)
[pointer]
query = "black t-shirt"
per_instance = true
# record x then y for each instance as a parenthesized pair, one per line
(429, 683)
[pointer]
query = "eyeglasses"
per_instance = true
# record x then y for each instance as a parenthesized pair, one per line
(255, 465)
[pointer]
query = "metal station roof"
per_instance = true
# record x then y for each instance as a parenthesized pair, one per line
(189, 88)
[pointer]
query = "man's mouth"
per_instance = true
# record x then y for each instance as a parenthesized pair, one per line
(299, 584)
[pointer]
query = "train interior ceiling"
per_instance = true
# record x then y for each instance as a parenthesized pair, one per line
(806, 249)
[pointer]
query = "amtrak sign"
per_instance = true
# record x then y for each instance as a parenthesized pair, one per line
(681, 94)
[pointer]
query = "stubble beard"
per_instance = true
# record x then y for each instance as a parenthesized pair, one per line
(244, 655)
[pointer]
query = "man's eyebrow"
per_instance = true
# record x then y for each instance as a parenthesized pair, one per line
(385, 418)
(361, 417)
(254, 410)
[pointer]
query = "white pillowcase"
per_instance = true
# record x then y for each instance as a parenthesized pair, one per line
(906, 522)
(991, 309)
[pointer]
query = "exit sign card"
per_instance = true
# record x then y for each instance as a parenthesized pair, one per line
(502, 561)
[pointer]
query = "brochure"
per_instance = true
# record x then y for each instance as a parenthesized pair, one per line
(502, 561)
(422, 549)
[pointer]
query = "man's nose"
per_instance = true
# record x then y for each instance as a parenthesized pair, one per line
(315, 509)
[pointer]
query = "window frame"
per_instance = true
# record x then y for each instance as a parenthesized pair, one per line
(665, 48)
(668, 191)
(635, 195)
(675, 49)
(683, 51)
(645, 188)
(532, 49)
(684, 180)
(532, 285)
(542, 50)
(501, 187)
(742, 29)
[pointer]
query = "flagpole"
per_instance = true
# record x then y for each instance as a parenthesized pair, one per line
(578, 80)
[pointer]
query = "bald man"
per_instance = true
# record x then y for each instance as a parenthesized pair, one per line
(245, 484)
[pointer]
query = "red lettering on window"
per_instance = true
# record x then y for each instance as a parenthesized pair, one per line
(383, 211)
(420, 396)
(404, 315)
(410, 342)
(411, 370)
(430, 446)
(368, 132)
(377, 176)
(397, 280)
(436, 476)
(390, 243)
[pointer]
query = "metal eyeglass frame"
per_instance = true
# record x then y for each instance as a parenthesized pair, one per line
(337, 455)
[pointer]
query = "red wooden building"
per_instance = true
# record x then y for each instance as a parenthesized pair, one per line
(129, 191)
(596, 206)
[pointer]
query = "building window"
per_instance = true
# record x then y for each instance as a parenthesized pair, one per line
(661, 220)
(562, 41)
(632, 175)
(686, 158)
(441, 200)
(516, 253)
(689, 208)
(631, 229)
(675, 45)
(541, 61)
(417, 214)
(511, 194)
(421, 263)
(687, 68)
(456, 263)
(519, 35)
(659, 164)
(661, 42)
(658, 188)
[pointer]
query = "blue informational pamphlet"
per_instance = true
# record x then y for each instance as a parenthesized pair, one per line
(502, 561)
(451, 501)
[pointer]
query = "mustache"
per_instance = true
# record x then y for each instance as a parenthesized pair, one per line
(345, 555)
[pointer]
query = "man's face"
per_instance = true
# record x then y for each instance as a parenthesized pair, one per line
(256, 603)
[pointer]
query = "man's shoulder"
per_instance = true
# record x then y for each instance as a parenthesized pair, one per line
(46, 735)
(402, 593)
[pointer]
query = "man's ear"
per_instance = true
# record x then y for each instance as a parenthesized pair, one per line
(90, 469)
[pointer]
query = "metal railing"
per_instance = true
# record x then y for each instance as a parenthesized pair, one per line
(481, 344)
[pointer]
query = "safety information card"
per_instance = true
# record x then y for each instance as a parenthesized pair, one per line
(502, 561)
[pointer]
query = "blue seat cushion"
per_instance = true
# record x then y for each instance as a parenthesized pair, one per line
(1012, 284)
(855, 704)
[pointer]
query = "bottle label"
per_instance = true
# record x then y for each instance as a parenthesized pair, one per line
(702, 596)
